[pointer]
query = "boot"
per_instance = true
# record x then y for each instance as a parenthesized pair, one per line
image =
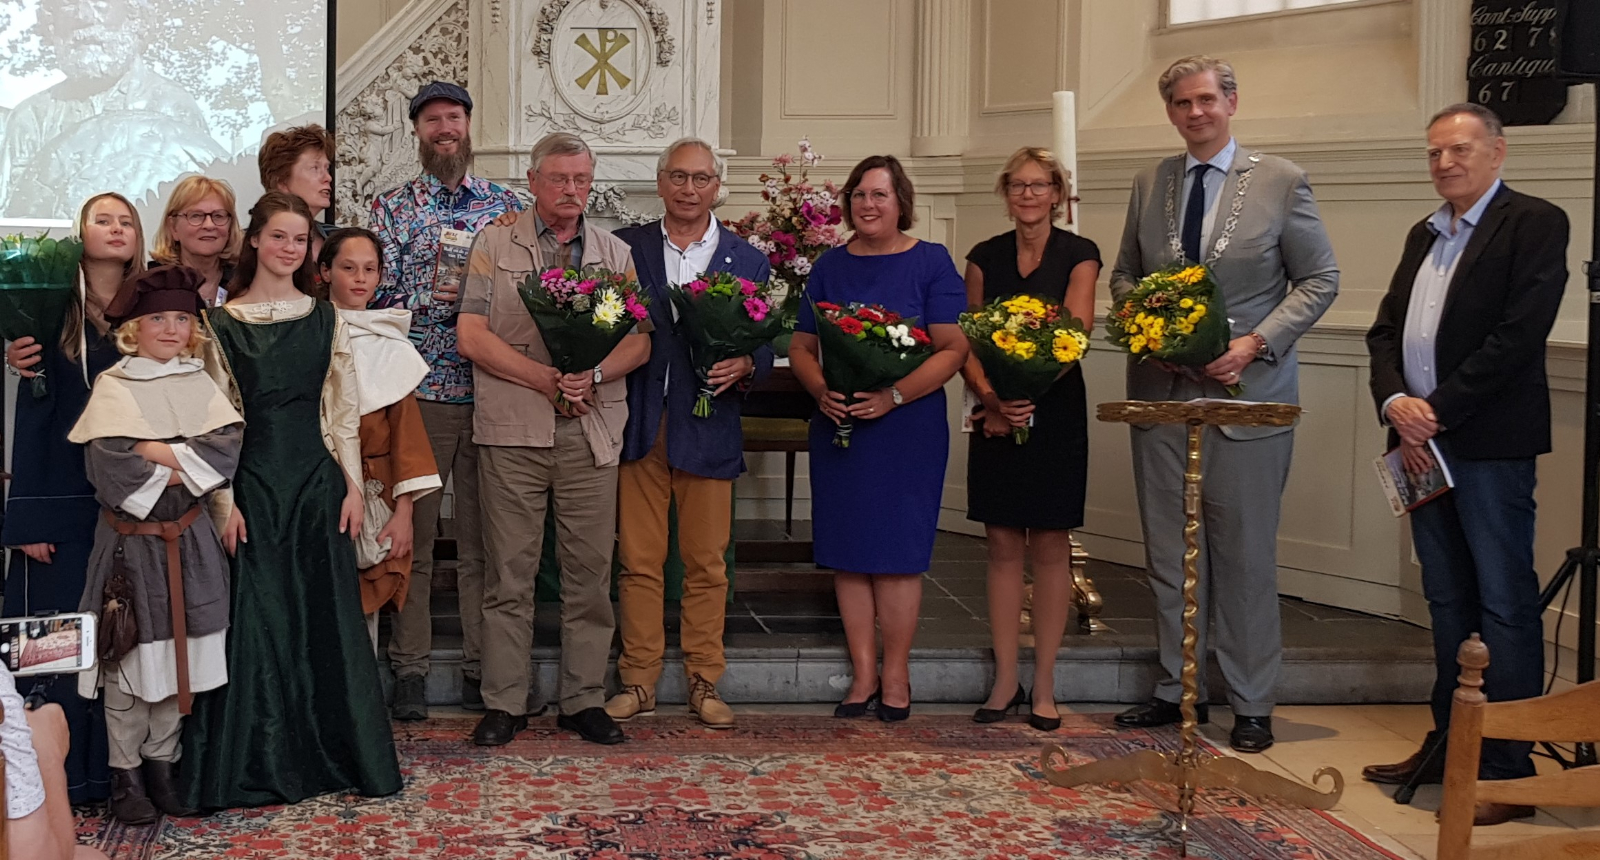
(158, 780)
(129, 803)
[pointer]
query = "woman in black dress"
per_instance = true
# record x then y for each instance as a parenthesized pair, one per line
(1029, 496)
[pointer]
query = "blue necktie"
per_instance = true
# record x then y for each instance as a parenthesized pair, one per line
(1194, 213)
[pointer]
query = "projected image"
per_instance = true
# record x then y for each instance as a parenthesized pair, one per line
(128, 95)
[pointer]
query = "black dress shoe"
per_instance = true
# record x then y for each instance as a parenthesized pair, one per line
(1043, 723)
(497, 728)
(1251, 734)
(1417, 768)
(1158, 712)
(995, 715)
(593, 725)
(851, 710)
(160, 784)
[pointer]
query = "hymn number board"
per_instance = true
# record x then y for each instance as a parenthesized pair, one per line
(1512, 66)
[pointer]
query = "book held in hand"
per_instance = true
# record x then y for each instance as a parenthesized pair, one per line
(1407, 491)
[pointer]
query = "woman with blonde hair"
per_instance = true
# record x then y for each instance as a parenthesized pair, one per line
(50, 515)
(1029, 496)
(200, 229)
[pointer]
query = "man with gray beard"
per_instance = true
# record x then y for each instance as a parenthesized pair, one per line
(426, 228)
(112, 123)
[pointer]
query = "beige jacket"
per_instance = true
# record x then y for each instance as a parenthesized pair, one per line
(509, 414)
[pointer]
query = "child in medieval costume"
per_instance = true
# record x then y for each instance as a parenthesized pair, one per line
(397, 460)
(162, 440)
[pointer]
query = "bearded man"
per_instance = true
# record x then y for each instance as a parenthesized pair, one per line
(426, 227)
(112, 123)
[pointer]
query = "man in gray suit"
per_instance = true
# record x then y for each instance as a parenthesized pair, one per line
(1252, 219)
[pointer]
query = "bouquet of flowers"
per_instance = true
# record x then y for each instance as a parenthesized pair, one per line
(1024, 345)
(1176, 315)
(582, 314)
(864, 348)
(801, 221)
(723, 316)
(38, 279)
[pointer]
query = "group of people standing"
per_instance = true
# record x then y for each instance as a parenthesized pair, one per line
(368, 368)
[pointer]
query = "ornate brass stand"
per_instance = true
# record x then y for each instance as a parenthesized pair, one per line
(1189, 769)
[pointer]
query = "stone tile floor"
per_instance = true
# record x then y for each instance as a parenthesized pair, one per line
(792, 605)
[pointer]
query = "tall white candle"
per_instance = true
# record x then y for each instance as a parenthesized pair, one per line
(1065, 121)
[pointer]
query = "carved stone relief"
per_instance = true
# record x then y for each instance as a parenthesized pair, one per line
(376, 150)
(628, 76)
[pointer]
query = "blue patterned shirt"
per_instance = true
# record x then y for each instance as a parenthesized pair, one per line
(408, 220)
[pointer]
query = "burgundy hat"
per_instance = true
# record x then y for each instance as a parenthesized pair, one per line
(163, 288)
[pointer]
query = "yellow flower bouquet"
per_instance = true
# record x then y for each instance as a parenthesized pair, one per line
(1176, 315)
(1024, 344)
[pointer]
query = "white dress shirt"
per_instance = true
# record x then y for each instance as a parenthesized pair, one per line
(1429, 291)
(684, 265)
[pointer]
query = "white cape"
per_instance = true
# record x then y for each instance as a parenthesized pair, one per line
(388, 367)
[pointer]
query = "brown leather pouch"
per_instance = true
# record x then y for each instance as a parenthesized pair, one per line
(118, 633)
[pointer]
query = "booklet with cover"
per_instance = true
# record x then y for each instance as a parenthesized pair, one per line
(1407, 491)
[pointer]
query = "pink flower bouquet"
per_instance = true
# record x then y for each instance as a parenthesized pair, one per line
(583, 314)
(723, 316)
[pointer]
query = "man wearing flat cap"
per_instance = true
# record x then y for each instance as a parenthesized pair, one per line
(426, 227)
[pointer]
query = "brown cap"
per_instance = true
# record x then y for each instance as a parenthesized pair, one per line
(163, 288)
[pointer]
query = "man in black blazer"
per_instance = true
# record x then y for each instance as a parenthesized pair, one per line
(1458, 358)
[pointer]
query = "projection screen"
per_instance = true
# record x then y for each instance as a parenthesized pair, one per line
(130, 95)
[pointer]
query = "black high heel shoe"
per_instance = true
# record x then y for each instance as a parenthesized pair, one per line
(891, 714)
(1043, 723)
(995, 715)
(851, 710)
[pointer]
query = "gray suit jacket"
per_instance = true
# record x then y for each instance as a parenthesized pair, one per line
(1277, 274)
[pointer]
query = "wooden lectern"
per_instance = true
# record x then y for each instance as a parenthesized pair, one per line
(1189, 769)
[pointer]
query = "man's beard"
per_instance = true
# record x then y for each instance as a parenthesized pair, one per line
(447, 168)
(97, 52)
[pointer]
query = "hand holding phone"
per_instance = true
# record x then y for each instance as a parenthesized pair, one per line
(48, 644)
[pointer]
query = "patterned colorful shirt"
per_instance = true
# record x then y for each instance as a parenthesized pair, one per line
(408, 220)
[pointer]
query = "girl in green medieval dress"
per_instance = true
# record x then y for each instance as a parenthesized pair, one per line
(303, 712)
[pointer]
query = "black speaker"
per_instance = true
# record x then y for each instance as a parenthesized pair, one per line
(1579, 56)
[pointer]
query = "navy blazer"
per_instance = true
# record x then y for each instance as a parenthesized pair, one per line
(709, 447)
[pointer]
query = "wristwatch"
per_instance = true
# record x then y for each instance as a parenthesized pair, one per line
(1262, 349)
(598, 375)
(894, 394)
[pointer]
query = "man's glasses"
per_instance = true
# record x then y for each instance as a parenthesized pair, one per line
(700, 180)
(195, 219)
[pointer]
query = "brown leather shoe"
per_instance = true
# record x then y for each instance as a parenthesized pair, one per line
(707, 705)
(1401, 772)
(633, 701)
(1489, 814)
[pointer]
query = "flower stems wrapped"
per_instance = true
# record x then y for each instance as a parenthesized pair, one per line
(582, 314)
(1024, 345)
(1176, 315)
(38, 280)
(723, 316)
(865, 348)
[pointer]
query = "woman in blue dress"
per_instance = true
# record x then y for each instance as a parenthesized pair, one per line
(875, 504)
(51, 510)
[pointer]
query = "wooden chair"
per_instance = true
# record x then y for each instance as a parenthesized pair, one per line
(1572, 716)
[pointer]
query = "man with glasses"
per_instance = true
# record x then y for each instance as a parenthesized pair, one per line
(546, 438)
(426, 226)
(671, 457)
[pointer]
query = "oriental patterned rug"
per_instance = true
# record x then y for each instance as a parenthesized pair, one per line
(775, 788)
